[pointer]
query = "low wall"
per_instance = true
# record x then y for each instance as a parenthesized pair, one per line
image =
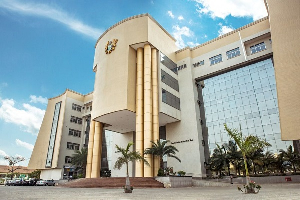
(176, 181)
(270, 179)
(241, 180)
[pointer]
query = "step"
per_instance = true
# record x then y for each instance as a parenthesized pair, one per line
(113, 182)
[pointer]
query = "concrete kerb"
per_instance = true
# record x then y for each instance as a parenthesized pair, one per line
(188, 181)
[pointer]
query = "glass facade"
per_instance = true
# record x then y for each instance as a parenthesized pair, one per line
(168, 63)
(170, 99)
(245, 97)
(169, 80)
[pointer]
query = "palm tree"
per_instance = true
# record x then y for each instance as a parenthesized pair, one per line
(218, 160)
(233, 155)
(247, 145)
(126, 157)
(79, 159)
(269, 161)
(279, 163)
(256, 158)
(291, 156)
(160, 149)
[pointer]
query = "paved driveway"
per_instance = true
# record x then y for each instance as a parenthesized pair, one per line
(275, 191)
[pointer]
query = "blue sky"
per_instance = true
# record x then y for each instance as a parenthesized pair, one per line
(48, 46)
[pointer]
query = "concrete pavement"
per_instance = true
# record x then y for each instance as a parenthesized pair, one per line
(269, 191)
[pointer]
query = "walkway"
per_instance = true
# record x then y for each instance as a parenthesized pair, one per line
(275, 191)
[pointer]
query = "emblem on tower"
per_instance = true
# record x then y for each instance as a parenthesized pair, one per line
(110, 46)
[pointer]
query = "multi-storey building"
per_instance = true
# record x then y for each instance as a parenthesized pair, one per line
(148, 89)
(64, 130)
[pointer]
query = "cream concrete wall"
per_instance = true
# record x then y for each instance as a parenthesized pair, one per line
(285, 23)
(40, 150)
(39, 154)
(65, 137)
(191, 153)
(207, 69)
(163, 107)
(48, 174)
(161, 40)
(116, 72)
(121, 140)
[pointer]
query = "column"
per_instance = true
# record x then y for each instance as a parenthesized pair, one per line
(90, 150)
(139, 141)
(148, 172)
(96, 161)
(155, 107)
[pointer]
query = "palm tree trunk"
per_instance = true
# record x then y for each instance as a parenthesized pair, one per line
(127, 184)
(294, 168)
(161, 162)
(228, 168)
(246, 168)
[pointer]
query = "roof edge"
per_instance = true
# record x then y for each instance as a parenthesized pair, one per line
(225, 35)
(69, 90)
(134, 17)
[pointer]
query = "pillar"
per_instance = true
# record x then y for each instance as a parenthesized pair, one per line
(148, 171)
(90, 150)
(155, 107)
(139, 141)
(96, 161)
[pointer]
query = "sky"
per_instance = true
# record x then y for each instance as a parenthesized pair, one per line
(48, 46)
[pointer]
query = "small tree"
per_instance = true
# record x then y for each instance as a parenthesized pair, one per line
(12, 161)
(247, 146)
(218, 160)
(291, 156)
(79, 159)
(35, 174)
(126, 157)
(161, 149)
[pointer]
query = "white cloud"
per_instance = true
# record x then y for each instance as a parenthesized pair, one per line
(179, 32)
(24, 144)
(192, 44)
(39, 99)
(46, 11)
(171, 14)
(2, 153)
(180, 17)
(29, 118)
(224, 29)
(2, 161)
(236, 8)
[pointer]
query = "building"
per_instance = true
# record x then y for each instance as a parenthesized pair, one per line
(65, 128)
(148, 89)
(22, 172)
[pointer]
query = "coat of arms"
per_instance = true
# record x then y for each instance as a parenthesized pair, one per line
(110, 46)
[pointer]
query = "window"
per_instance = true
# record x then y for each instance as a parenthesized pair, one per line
(68, 159)
(168, 63)
(258, 47)
(233, 53)
(72, 146)
(76, 107)
(170, 99)
(169, 80)
(216, 59)
(76, 146)
(76, 120)
(200, 63)
(74, 132)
